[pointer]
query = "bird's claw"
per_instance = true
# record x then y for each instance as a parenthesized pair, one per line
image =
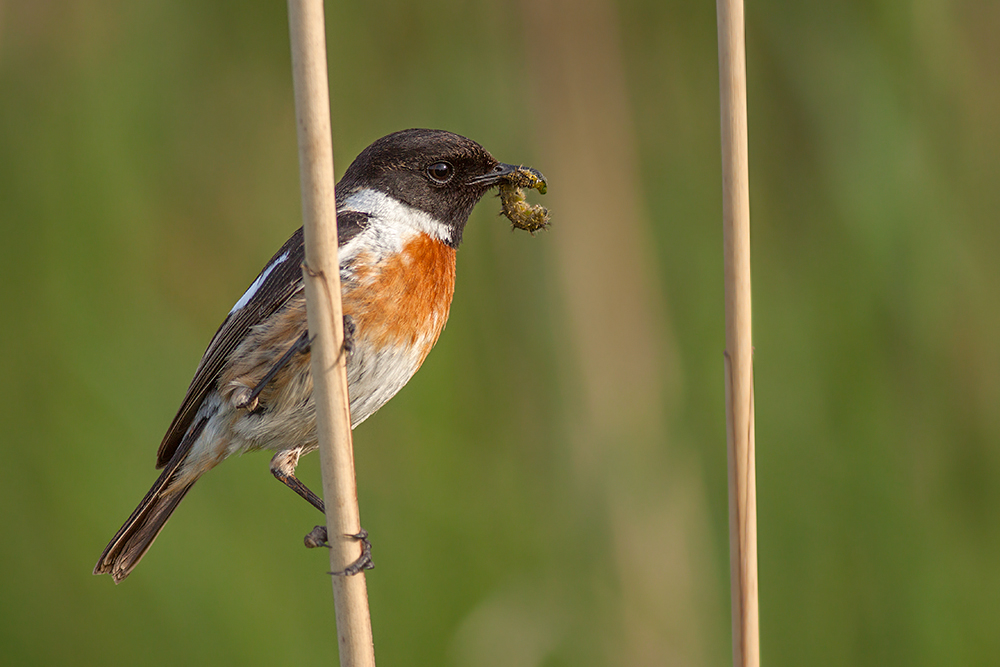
(364, 561)
(316, 538)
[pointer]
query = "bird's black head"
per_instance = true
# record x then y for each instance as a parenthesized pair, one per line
(438, 172)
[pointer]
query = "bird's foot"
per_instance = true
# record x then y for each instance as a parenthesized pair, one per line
(317, 537)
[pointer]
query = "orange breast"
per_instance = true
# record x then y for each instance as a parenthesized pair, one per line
(403, 300)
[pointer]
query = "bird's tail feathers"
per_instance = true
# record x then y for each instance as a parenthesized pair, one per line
(134, 538)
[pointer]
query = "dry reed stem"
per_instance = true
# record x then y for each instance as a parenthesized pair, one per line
(325, 315)
(739, 347)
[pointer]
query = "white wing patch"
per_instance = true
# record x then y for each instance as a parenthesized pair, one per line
(255, 286)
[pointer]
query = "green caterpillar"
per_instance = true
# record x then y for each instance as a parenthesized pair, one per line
(521, 214)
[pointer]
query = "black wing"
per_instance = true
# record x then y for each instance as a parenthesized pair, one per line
(280, 279)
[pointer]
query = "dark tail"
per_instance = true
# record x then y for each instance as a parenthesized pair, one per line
(131, 542)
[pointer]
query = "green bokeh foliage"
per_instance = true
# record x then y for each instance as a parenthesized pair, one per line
(148, 169)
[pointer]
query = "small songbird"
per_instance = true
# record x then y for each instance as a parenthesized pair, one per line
(401, 209)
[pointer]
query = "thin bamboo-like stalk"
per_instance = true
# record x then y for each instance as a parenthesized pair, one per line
(739, 346)
(325, 315)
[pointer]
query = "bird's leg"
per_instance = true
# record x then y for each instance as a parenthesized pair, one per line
(283, 468)
(349, 331)
(283, 464)
(249, 401)
(246, 398)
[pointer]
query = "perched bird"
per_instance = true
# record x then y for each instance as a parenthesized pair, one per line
(401, 209)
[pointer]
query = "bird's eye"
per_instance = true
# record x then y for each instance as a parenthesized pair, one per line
(440, 172)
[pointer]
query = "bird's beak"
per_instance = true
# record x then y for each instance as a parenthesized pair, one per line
(511, 175)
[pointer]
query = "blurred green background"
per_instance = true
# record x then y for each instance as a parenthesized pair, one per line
(550, 489)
